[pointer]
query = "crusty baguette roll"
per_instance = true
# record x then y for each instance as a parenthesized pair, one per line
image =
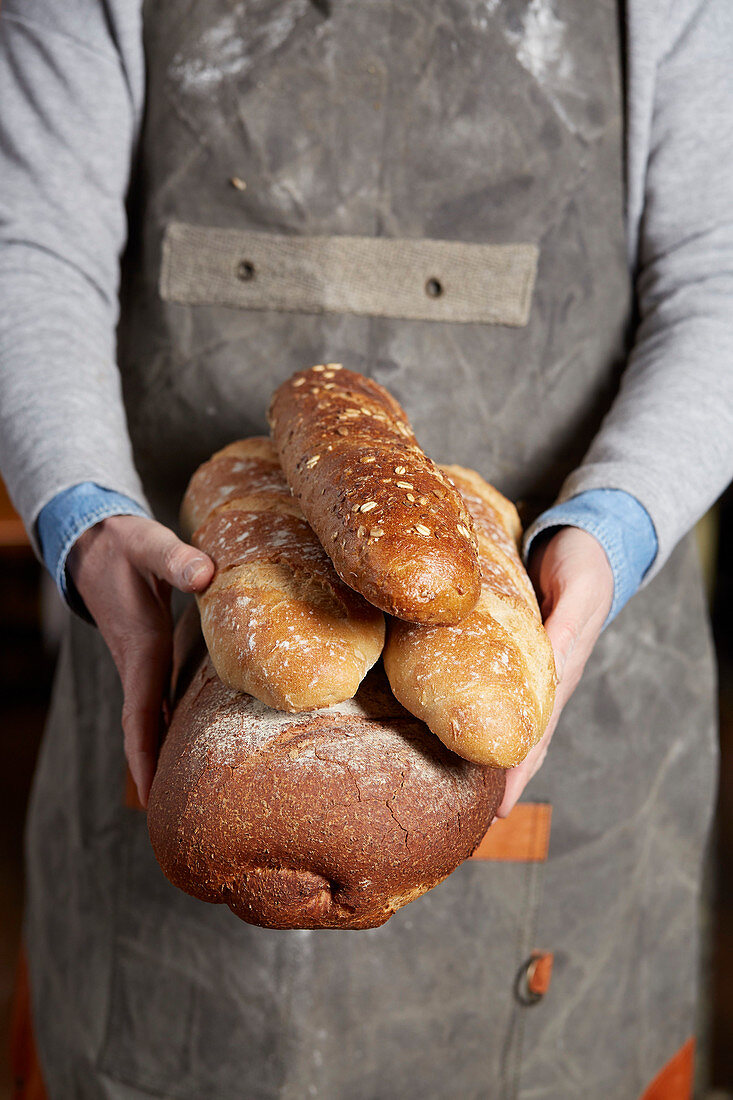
(395, 528)
(331, 819)
(278, 622)
(485, 687)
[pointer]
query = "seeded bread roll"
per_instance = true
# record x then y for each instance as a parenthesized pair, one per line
(278, 622)
(331, 819)
(395, 528)
(485, 687)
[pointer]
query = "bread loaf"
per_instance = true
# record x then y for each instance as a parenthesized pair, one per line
(394, 527)
(278, 621)
(331, 819)
(485, 687)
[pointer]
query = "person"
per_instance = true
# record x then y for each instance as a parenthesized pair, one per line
(584, 159)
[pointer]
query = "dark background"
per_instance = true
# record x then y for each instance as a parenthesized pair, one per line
(29, 615)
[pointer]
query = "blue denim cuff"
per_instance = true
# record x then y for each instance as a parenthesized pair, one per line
(67, 516)
(622, 526)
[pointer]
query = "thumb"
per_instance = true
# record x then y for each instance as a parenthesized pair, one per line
(159, 551)
(562, 630)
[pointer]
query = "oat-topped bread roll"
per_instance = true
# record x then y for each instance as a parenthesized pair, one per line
(395, 528)
(485, 687)
(332, 819)
(278, 621)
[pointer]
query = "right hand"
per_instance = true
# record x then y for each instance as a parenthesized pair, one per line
(574, 583)
(124, 568)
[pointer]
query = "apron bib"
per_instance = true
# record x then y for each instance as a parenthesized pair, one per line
(486, 137)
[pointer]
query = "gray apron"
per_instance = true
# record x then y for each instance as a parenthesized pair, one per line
(478, 123)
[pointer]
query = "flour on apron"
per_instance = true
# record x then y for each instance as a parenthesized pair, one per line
(474, 122)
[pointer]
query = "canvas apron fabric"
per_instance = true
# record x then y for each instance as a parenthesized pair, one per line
(491, 124)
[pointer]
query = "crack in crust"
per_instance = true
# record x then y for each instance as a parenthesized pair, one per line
(330, 819)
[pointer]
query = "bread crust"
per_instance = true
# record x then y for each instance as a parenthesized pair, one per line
(331, 819)
(396, 530)
(485, 687)
(278, 621)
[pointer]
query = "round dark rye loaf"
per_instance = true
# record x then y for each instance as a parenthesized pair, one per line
(395, 528)
(329, 819)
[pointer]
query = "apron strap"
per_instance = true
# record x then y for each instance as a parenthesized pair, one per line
(674, 1081)
(523, 836)
(24, 1065)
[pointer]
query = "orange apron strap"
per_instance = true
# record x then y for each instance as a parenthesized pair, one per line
(25, 1067)
(524, 836)
(674, 1081)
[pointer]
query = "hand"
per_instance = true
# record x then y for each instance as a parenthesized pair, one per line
(124, 568)
(574, 584)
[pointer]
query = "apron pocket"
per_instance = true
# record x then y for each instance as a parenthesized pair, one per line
(420, 280)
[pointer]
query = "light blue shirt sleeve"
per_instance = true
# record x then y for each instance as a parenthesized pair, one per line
(616, 518)
(67, 516)
(622, 526)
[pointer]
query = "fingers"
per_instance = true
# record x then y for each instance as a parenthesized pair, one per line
(518, 778)
(574, 585)
(145, 677)
(123, 568)
(562, 630)
(139, 635)
(156, 549)
(134, 620)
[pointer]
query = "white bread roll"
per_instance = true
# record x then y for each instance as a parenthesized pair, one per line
(485, 686)
(278, 622)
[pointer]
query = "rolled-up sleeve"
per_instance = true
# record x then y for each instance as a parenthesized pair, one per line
(619, 523)
(71, 89)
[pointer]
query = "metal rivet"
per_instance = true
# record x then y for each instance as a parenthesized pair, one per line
(523, 990)
(433, 288)
(246, 271)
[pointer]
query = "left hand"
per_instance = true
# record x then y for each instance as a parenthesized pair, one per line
(574, 584)
(124, 568)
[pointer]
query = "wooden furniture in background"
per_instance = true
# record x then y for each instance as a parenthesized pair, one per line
(12, 531)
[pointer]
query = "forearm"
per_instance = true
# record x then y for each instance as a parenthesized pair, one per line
(71, 104)
(62, 419)
(668, 439)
